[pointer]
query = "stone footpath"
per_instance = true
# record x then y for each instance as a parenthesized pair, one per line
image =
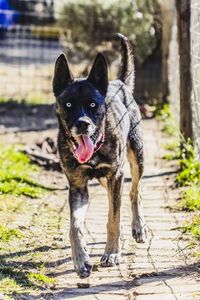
(159, 269)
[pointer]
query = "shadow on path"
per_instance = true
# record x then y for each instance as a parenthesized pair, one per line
(69, 293)
(21, 117)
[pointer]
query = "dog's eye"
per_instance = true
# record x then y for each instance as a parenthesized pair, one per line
(68, 104)
(92, 104)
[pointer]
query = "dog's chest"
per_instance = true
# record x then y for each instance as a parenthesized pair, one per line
(94, 169)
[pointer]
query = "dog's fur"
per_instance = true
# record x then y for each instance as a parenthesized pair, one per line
(115, 116)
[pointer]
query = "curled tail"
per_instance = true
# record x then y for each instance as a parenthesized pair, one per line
(127, 70)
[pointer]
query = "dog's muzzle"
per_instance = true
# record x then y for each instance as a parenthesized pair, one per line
(83, 146)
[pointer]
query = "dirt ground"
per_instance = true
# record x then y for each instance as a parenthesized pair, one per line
(160, 269)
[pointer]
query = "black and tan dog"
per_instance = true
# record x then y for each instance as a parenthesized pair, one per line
(99, 122)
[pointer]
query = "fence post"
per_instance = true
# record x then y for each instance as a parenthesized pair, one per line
(183, 24)
(167, 12)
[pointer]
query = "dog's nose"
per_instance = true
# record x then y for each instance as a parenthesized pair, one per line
(82, 124)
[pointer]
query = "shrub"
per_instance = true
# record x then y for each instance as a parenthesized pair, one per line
(91, 22)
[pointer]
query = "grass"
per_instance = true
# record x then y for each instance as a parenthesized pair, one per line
(190, 199)
(33, 98)
(15, 174)
(174, 151)
(164, 113)
(23, 263)
(193, 227)
(24, 256)
(37, 98)
(9, 285)
(7, 234)
(13, 280)
(189, 173)
(41, 278)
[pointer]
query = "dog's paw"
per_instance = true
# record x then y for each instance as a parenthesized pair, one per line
(139, 231)
(84, 269)
(110, 259)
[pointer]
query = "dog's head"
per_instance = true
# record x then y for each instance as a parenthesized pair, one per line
(80, 105)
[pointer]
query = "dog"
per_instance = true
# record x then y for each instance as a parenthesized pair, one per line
(99, 122)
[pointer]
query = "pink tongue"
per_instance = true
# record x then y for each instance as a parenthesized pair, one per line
(85, 148)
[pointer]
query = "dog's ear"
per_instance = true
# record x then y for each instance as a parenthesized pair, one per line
(99, 74)
(62, 75)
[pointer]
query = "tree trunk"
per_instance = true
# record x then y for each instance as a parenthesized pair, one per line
(183, 23)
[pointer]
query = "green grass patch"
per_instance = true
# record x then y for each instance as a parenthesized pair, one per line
(41, 278)
(193, 227)
(4, 100)
(190, 199)
(9, 285)
(32, 98)
(174, 151)
(173, 155)
(15, 280)
(12, 279)
(172, 146)
(7, 234)
(15, 174)
(190, 166)
(189, 174)
(164, 113)
(36, 98)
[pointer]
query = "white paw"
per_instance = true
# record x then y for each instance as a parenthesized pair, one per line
(83, 266)
(139, 231)
(110, 259)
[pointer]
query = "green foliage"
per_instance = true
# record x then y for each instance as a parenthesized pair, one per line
(3, 100)
(190, 199)
(189, 173)
(33, 98)
(174, 150)
(41, 278)
(176, 154)
(173, 146)
(8, 285)
(91, 22)
(36, 98)
(180, 149)
(15, 174)
(164, 113)
(14, 280)
(7, 234)
(193, 227)
(190, 167)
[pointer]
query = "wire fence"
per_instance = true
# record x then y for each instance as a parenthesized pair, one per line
(30, 42)
(26, 63)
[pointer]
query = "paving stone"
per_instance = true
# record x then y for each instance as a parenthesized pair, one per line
(167, 296)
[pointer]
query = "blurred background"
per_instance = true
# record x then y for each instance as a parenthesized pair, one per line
(34, 32)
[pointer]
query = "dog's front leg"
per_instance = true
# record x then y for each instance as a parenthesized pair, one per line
(78, 200)
(112, 251)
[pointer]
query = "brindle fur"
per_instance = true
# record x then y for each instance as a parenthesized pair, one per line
(123, 133)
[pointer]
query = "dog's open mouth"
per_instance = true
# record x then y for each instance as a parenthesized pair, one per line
(84, 148)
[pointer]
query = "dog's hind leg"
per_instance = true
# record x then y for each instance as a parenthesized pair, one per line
(78, 201)
(112, 251)
(139, 230)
